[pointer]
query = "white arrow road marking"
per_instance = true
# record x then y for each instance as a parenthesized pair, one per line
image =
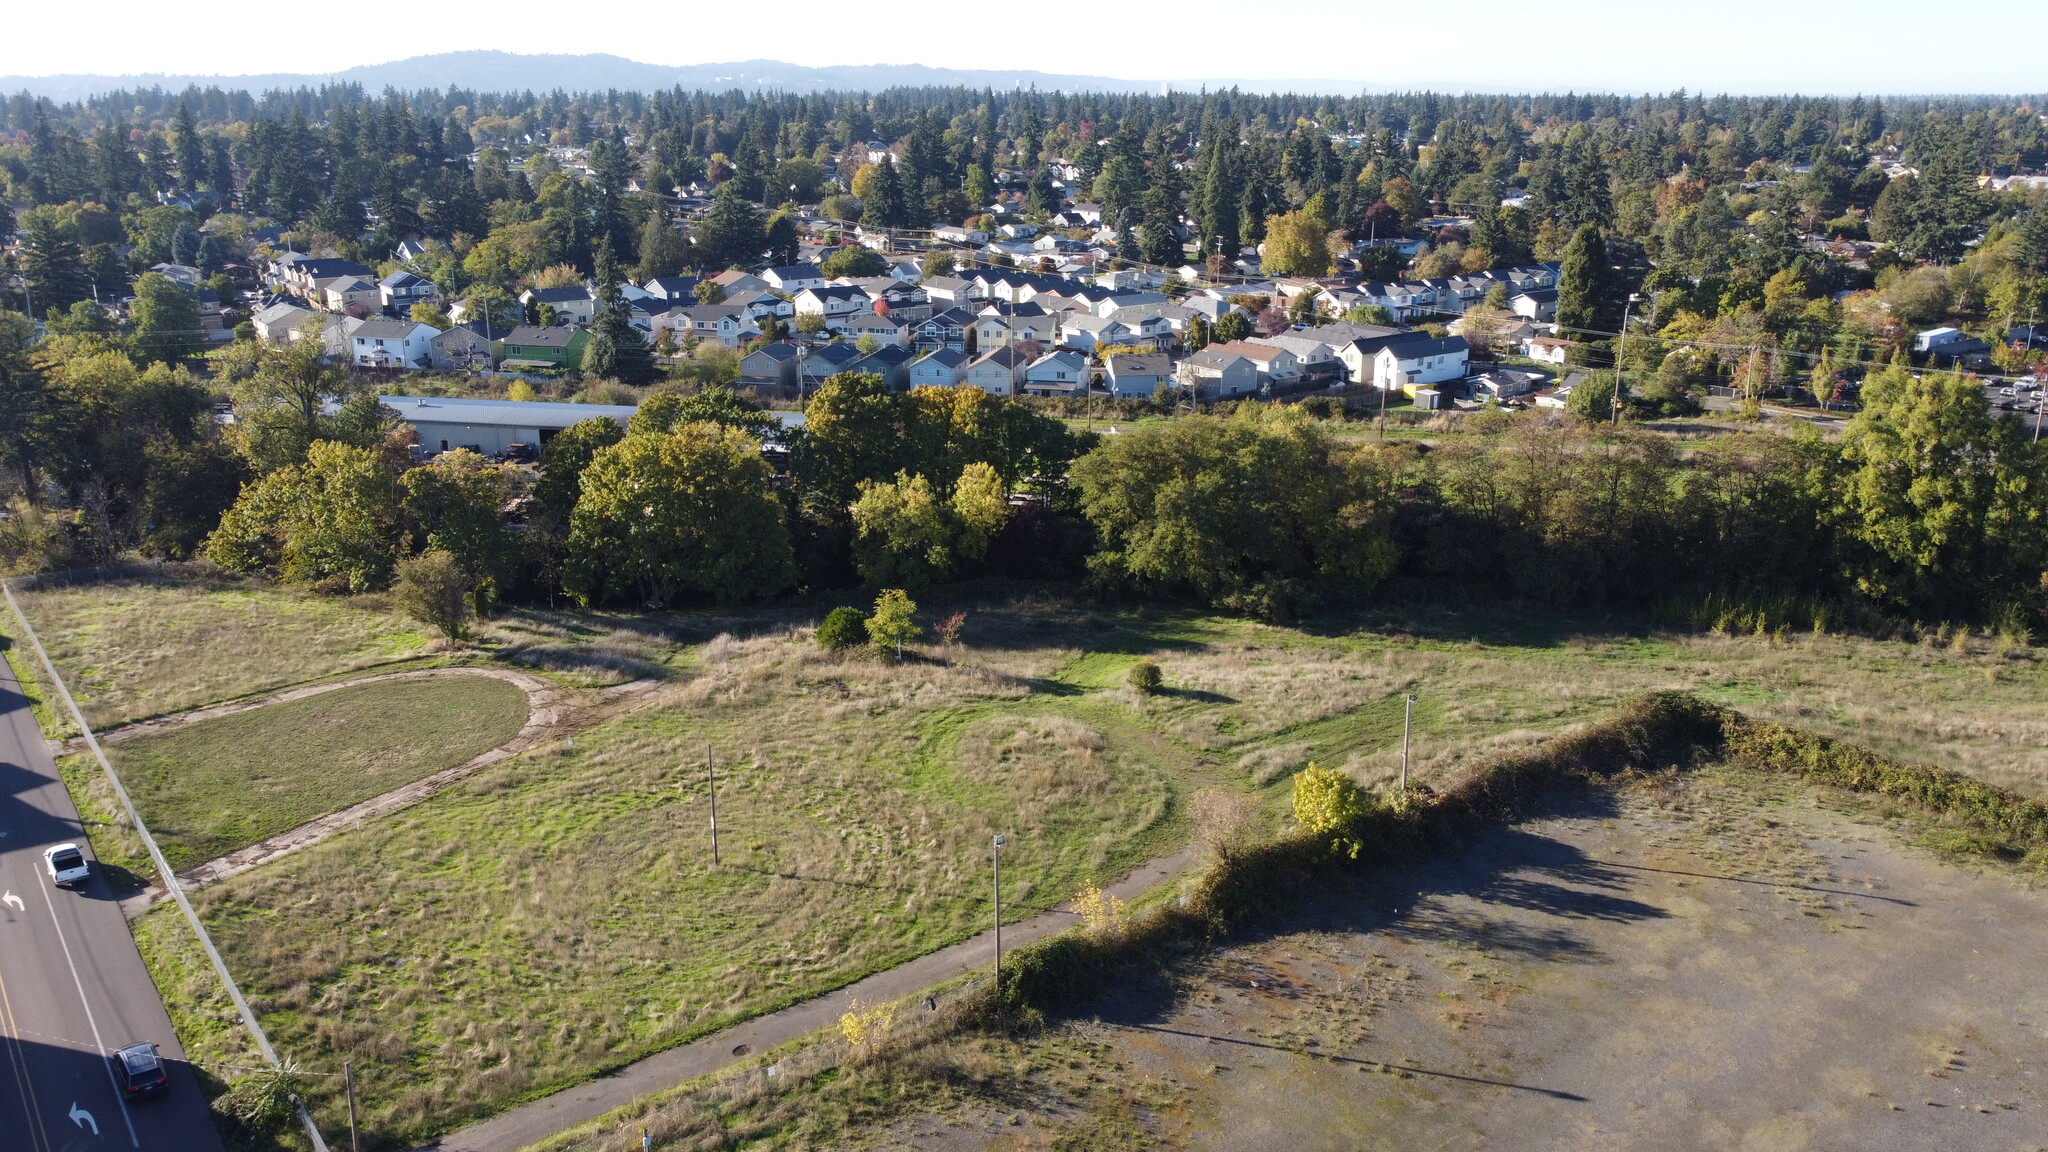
(81, 1117)
(98, 1044)
(11, 898)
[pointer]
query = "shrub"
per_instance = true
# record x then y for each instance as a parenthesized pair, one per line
(843, 628)
(433, 590)
(1326, 802)
(1145, 677)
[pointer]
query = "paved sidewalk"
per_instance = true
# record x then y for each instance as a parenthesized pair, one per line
(530, 1123)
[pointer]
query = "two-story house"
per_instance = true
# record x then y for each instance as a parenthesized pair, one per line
(939, 368)
(532, 346)
(405, 344)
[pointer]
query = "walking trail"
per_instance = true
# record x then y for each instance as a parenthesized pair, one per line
(550, 712)
(530, 1123)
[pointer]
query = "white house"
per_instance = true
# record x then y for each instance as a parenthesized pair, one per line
(1217, 374)
(401, 290)
(943, 368)
(405, 344)
(834, 302)
(1276, 366)
(726, 323)
(1535, 304)
(1082, 331)
(339, 292)
(1136, 374)
(1312, 357)
(1063, 373)
(1405, 364)
(572, 303)
(794, 278)
(998, 371)
(279, 323)
(886, 330)
(1548, 349)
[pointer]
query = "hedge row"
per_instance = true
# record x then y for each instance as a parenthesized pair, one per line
(2021, 824)
(1669, 729)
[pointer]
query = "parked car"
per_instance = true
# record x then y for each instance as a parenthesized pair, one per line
(140, 1070)
(67, 865)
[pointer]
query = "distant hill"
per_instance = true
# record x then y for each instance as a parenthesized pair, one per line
(511, 72)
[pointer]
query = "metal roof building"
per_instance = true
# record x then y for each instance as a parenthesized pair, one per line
(489, 426)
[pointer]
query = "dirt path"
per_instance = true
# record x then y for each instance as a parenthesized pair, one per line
(552, 710)
(530, 1123)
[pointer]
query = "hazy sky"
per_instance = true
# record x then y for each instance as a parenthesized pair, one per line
(1811, 46)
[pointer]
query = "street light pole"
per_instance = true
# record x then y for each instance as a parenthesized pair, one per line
(1407, 722)
(996, 850)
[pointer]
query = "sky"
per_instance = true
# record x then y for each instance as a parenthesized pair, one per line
(1736, 46)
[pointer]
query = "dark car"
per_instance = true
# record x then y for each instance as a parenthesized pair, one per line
(141, 1071)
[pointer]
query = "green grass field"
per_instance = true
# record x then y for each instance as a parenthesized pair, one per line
(211, 787)
(557, 914)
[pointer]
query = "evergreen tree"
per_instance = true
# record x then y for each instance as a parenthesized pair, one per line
(664, 250)
(191, 150)
(166, 320)
(731, 233)
(51, 265)
(1588, 199)
(632, 361)
(782, 239)
(1585, 285)
(885, 207)
(1220, 199)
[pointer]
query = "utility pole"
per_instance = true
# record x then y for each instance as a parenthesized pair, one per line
(711, 775)
(348, 1083)
(1407, 723)
(1621, 352)
(996, 849)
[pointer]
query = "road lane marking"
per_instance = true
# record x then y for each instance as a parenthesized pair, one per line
(81, 1117)
(99, 1045)
(11, 898)
(18, 1064)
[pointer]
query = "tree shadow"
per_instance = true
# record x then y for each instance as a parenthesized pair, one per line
(1502, 625)
(1195, 695)
(1511, 890)
(1334, 1058)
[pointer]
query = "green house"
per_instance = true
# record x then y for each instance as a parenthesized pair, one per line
(528, 346)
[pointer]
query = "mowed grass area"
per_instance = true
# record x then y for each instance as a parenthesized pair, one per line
(560, 912)
(557, 914)
(135, 648)
(211, 787)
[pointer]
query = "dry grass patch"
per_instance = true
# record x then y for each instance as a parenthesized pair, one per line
(136, 648)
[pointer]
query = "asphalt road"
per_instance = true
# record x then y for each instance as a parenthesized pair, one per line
(72, 985)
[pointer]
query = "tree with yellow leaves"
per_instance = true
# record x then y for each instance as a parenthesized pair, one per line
(1101, 913)
(1326, 802)
(866, 1027)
